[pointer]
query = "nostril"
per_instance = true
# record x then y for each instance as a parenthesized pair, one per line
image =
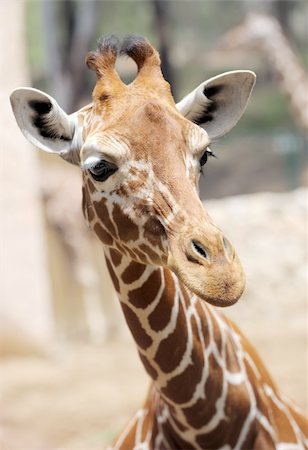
(226, 243)
(199, 249)
(227, 247)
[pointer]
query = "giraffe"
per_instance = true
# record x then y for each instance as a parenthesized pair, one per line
(262, 33)
(140, 155)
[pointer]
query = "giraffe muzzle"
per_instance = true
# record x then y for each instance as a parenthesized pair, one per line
(210, 269)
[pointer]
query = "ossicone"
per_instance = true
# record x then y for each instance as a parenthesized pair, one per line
(140, 50)
(104, 58)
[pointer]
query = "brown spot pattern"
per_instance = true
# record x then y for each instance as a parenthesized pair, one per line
(232, 363)
(91, 186)
(138, 183)
(103, 214)
(139, 334)
(90, 212)
(103, 235)
(174, 441)
(143, 296)
(120, 248)
(181, 388)
(154, 232)
(130, 251)
(216, 332)
(284, 428)
(127, 229)
(179, 424)
(133, 272)
(171, 350)
(121, 192)
(113, 276)
(148, 367)
(237, 407)
(204, 325)
(151, 253)
(204, 409)
(185, 295)
(215, 439)
(116, 257)
(263, 440)
(141, 256)
(161, 315)
(195, 331)
(87, 207)
(196, 414)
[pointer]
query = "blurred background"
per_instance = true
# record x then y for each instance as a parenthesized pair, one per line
(70, 376)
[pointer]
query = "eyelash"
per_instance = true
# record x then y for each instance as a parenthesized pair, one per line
(208, 152)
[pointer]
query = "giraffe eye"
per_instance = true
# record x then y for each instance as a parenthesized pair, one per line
(102, 170)
(205, 156)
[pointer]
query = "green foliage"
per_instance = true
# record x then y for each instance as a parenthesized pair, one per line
(34, 34)
(125, 17)
(194, 28)
(267, 111)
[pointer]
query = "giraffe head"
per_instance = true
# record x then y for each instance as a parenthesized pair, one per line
(140, 156)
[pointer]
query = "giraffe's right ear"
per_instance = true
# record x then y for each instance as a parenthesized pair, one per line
(45, 124)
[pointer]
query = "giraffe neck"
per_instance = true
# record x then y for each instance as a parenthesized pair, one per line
(194, 357)
(290, 74)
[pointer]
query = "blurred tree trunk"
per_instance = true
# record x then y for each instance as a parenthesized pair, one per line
(25, 310)
(69, 27)
(161, 18)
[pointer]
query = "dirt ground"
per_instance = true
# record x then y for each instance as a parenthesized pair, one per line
(76, 398)
(79, 397)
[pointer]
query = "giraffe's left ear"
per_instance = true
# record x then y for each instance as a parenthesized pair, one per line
(218, 103)
(45, 124)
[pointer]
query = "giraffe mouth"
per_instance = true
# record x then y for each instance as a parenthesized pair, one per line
(217, 279)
